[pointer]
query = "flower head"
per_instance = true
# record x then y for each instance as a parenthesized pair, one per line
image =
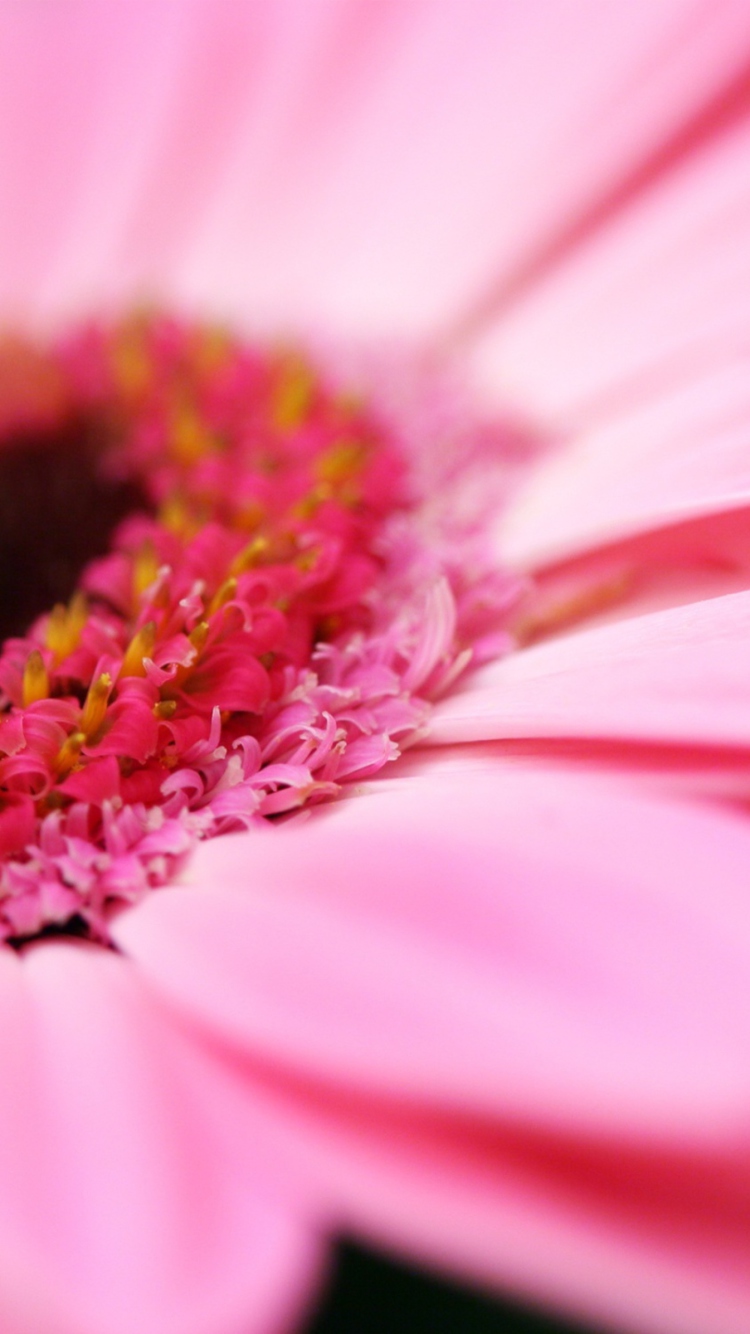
(491, 1004)
(268, 623)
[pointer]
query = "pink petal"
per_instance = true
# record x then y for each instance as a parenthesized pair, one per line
(418, 150)
(651, 299)
(502, 1022)
(511, 943)
(654, 1241)
(368, 167)
(678, 456)
(678, 676)
(128, 1197)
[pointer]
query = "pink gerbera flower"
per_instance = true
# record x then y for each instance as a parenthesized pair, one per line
(264, 976)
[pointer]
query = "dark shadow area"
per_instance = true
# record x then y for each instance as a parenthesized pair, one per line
(372, 1294)
(58, 509)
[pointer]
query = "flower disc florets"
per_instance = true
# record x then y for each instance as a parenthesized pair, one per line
(266, 624)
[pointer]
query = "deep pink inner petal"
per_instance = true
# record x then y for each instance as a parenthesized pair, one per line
(271, 618)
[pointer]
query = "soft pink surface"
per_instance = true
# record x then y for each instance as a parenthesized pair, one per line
(411, 137)
(668, 457)
(677, 676)
(423, 940)
(132, 1196)
(541, 1037)
(655, 291)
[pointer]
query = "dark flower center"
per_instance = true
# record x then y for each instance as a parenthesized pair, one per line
(58, 510)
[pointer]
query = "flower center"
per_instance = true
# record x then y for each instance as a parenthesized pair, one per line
(58, 510)
(223, 601)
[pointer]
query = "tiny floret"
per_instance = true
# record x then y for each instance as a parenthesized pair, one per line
(271, 620)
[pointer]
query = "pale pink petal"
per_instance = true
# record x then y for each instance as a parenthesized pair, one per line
(129, 1196)
(673, 677)
(438, 143)
(674, 770)
(652, 1240)
(677, 456)
(649, 300)
(501, 1022)
(367, 166)
(520, 944)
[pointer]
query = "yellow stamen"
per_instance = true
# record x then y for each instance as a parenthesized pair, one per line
(141, 646)
(293, 394)
(306, 507)
(145, 569)
(340, 463)
(131, 362)
(222, 595)
(69, 753)
(190, 439)
(250, 555)
(35, 679)
(199, 635)
(95, 708)
(165, 709)
(65, 626)
(179, 518)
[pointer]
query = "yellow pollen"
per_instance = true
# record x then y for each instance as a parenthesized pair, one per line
(175, 515)
(35, 679)
(145, 569)
(65, 626)
(305, 508)
(131, 363)
(190, 438)
(223, 595)
(340, 462)
(69, 753)
(199, 635)
(95, 708)
(250, 555)
(293, 394)
(166, 708)
(141, 646)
